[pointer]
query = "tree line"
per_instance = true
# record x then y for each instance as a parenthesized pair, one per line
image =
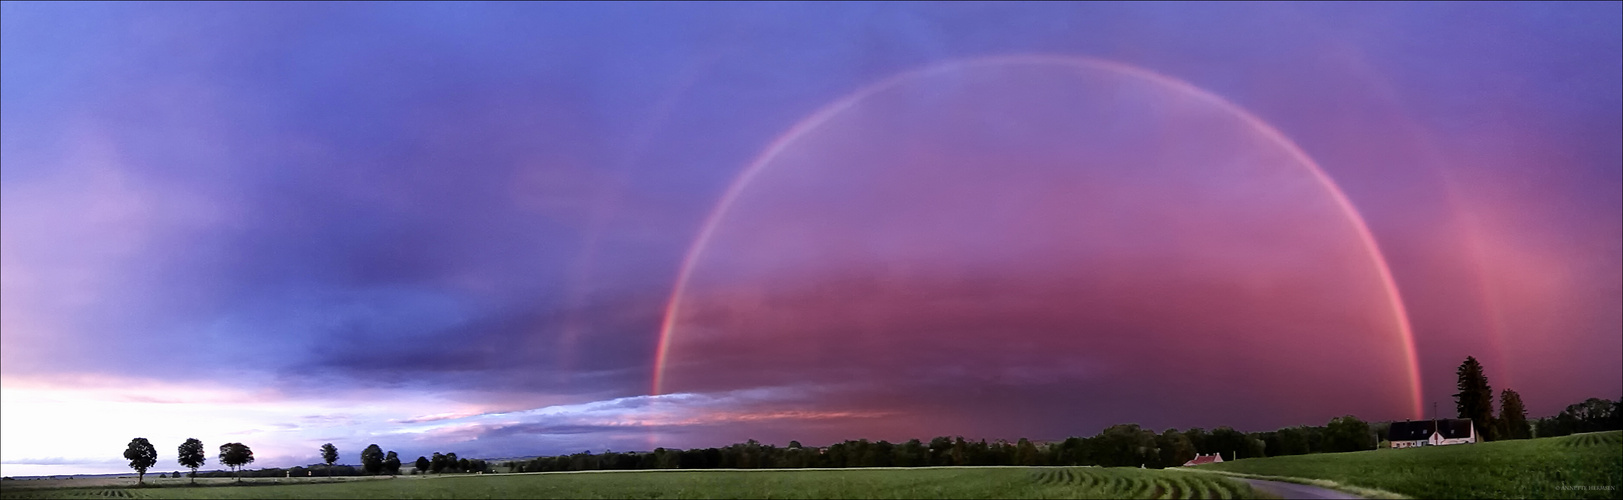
(1126, 445)
(1115, 446)
(1475, 401)
(142, 456)
(448, 462)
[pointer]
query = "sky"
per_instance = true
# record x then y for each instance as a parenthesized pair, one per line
(504, 229)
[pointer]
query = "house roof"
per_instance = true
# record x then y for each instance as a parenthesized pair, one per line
(1410, 431)
(1454, 428)
(1202, 459)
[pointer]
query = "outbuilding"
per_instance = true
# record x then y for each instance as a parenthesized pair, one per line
(1432, 433)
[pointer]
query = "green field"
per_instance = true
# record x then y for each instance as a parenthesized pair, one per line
(939, 482)
(1579, 466)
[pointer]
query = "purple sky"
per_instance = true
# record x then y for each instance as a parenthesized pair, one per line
(464, 227)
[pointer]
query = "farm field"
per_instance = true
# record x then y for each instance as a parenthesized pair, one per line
(1578, 466)
(936, 482)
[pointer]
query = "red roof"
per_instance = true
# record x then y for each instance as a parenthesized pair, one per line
(1202, 459)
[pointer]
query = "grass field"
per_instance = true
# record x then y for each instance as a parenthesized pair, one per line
(942, 482)
(1579, 466)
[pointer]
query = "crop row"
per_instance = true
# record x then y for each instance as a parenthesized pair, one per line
(1590, 439)
(1135, 483)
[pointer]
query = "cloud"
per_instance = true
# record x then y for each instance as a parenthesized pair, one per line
(502, 350)
(638, 422)
(64, 461)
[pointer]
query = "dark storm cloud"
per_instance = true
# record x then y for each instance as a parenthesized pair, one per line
(512, 349)
(474, 191)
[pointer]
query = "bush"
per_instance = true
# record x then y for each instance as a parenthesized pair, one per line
(1348, 433)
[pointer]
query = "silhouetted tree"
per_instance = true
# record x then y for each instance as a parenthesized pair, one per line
(910, 454)
(1594, 414)
(1124, 445)
(421, 464)
(1475, 399)
(1198, 437)
(192, 456)
(1292, 441)
(1026, 453)
(1348, 433)
(236, 455)
(1227, 441)
(1072, 451)
(1315, 437)
(391, 463)
(1175, 448)
(372, 459)
(1255, 446)
(142, 456)
(1513, 416)
(329, 454)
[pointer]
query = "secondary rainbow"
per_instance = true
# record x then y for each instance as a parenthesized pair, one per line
(1400, 315)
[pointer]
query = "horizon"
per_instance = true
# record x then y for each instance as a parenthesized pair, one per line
(533, 229)
(406, 461)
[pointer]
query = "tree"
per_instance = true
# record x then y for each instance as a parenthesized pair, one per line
(1382, 431)
(391, 463)
(1227, 442)
(1175, 448)
(329, 454)
(1594, 414)
(192, 456)
(142, 456)
(437, 464)
(1255, 446)
(914, 454)
(1348, 433)
(1125, 445)
(1288, 441)
(421, 464)
(372, 459)
(1198, 437)
(1475, 399)
(1514, 416)
(236, 455)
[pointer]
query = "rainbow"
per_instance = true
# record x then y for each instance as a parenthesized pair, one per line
(1400, 316)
